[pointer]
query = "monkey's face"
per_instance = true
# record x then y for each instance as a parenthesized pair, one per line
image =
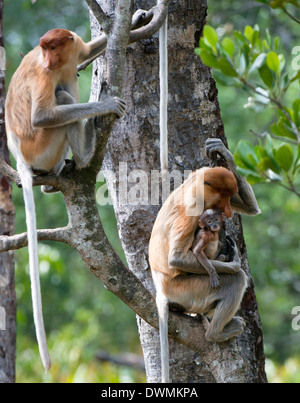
(212, 220)
(213, 199)
(56, 46)
(219, 186)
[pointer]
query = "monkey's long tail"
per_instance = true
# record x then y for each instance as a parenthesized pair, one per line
(163, 313)
(26, 179)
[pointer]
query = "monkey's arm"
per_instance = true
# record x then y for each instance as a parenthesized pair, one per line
(198, 251)
(188, 263)
(65, 114)
(244, 201)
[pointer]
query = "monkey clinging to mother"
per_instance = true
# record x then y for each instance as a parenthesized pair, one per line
(179, 278)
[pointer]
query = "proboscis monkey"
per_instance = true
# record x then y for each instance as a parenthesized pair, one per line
(206, 242)
(178, 276)
(43, 121)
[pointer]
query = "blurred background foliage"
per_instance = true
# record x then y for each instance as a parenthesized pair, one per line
(80, 315)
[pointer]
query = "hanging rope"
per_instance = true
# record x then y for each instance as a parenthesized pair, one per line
(163, 79)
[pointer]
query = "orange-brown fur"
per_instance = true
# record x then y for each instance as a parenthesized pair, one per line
(175, 229)
(33, 87)
(43, 122)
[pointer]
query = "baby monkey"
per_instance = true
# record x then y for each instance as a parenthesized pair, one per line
(206, 244)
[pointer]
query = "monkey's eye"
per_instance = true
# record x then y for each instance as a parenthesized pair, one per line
(209, 222)
(53, 47)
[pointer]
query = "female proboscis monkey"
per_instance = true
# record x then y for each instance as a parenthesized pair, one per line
(178, 276)
(43, 121)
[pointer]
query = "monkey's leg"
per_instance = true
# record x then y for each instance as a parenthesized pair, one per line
(224, 325)
(82, 142)
(56, 171)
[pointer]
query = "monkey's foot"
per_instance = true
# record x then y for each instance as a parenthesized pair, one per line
(233, 328)
(205, 322)
(49, 189)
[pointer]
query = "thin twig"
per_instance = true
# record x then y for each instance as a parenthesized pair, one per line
(290, 15)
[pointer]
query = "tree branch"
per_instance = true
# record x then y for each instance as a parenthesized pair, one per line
(85, 232)
(60, 182)
(144, 25)
(100, 15)
(9, 172)
(20, 241)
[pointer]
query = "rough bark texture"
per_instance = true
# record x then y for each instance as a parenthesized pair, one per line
(7, 214)
(194, 116)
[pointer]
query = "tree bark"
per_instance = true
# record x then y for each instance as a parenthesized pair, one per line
(7, 214)
(194, 116)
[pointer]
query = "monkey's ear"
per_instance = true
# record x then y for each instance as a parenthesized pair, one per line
(201, 225)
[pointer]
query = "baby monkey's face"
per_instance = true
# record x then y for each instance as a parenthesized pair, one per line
(211, 219)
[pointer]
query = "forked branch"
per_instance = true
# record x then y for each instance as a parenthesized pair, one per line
(144, 25)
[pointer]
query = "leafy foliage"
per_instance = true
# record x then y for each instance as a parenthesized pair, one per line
(248, 58)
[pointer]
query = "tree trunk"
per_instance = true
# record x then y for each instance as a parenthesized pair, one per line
(7, 214)
(133, 152)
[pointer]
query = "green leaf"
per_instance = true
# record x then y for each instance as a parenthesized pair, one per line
(228, 46)
(226, 67)
(248, 33)
(255, 37)
(240, 37)
(296, 109)
(251, 176)
(258, 63)
(267, 163)
(261, 152)
(273, 61)
(226, 80)
(284, 157)
(281, 62)
(283, 130)
(204, 45)
(266, 45)
(243, 64)
(208, 58)
(267, 76)
(210, 34)
(243, 151)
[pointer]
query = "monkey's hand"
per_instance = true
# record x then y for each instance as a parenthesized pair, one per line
(244, 201)
(216, 146)
(214, 280)
(228, 267)
(108, 104)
